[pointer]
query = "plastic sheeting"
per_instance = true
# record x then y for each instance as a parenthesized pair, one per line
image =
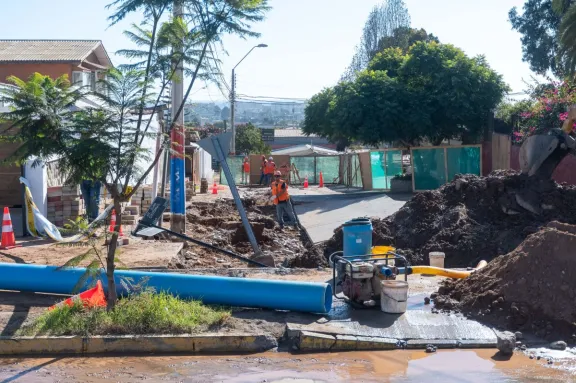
(235, 165)
(433, 167)
(385, 165)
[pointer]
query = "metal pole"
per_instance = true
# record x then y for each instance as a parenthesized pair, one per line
(160, 118)
(177, 166)
(232, 184)
(233, 113)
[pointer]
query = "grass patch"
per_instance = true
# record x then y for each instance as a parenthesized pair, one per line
(146, 313)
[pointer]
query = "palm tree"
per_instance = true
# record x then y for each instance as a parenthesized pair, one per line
(567, 34)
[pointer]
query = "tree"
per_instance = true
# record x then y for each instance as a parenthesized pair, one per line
(433, 92)
(404, 38)
(567, 39)
(249, 140)
(383, 20)
(538, 25)
(105, 142)
(225, 113)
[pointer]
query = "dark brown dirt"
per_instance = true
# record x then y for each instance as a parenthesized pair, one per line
(531, 289)
(218, 223)
(471, 218)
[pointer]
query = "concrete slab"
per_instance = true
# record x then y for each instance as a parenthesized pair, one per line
(419, 326)
(322, 215)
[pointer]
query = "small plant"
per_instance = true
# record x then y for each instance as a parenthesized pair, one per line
(403, 177)
(76, 226)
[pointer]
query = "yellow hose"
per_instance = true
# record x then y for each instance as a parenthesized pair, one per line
(446, 272)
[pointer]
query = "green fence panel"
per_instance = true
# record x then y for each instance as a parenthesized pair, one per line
(393, 165)
(463, 161)
(330, 168)
(429, 168)
(378, 171)
(235, 165)
(305, 166)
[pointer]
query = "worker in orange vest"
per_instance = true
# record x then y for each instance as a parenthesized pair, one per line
(282, 201)
(263, 172)
(246, 171)
(270, 169)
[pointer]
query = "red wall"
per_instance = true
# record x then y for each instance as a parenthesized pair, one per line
(565, 172)
(25, 70)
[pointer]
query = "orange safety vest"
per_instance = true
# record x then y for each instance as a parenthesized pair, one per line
(277, 189)
(270, 167)
(246, 167)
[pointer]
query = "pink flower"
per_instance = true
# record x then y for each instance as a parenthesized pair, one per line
(526, 115)
(518, 134)
(563, 116)
(532, 129)
(548, 108)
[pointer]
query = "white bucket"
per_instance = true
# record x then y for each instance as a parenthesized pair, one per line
(437, 259)
(394, 297)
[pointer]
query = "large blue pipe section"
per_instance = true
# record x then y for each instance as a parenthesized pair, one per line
(239, 292)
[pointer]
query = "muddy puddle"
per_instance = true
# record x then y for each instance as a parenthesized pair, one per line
(395, 367)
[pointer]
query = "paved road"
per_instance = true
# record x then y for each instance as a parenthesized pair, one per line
(322, 215)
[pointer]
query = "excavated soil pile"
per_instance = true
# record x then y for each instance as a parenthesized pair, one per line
(530, 289)
(218, 223)
(472, 218)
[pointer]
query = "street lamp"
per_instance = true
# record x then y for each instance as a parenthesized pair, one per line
(233, 98)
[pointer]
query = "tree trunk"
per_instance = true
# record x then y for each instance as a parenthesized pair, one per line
(110, 264)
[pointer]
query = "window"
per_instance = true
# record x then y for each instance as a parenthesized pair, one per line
(77, 78)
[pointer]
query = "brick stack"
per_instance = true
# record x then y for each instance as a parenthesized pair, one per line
(63, 204)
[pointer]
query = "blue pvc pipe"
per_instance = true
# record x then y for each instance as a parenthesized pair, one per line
(239, 292)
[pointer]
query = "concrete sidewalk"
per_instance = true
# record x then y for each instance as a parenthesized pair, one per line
(321, 215)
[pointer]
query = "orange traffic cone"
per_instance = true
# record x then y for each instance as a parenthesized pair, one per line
(305, 182)
(321, 181)
(90, 298)
(8, 240)
(214, 188)
(113, 223)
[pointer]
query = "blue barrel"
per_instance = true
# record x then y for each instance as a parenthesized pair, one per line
(357, 238)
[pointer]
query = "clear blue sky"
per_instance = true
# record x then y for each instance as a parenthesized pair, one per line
(310, 41)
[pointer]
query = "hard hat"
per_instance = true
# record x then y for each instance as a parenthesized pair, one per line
(270, 158)
(277, 173)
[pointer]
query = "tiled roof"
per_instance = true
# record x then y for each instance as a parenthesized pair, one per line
(46, 50)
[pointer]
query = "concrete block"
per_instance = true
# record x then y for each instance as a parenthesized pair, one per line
(311, 341)
(440, 343)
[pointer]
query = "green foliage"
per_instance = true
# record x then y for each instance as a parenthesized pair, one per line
(76, 226)
(568, 40)
(432, 92)
(249, 140)
(538, 25)
(404, 37)
(509, 112)
(145, 313)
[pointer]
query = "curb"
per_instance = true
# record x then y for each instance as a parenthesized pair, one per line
(303, 198)
(134, 344)
(308, 341)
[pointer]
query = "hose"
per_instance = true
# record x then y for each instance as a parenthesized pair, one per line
(457, 274)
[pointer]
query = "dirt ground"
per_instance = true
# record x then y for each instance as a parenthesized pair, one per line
(531, 289)
(138, 254)
(472, 218)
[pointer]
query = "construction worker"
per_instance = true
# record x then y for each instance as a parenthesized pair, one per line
(282, 201)
(246, 171)
(271, 169)
(263, 171)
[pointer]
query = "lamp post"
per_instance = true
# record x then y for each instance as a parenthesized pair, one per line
(233, 99)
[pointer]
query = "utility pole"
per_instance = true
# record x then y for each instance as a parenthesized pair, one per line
(233, 112)
(177, 168)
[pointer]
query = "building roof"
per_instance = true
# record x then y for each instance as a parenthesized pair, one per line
(52, 51)
(291, 133)
(304, 150)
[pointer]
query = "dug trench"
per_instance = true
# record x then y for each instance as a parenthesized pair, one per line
(218, 223)
(472, 218)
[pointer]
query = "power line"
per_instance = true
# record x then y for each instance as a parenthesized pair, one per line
(274, 98)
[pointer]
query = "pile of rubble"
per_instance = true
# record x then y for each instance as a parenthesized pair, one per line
(531, 289)
(472, 218)
(218, 223)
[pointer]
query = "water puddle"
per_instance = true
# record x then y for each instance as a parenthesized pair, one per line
(474, 366)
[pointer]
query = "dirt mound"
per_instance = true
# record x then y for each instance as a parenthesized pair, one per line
(530, 289)
(472, 218)
(218, 223)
